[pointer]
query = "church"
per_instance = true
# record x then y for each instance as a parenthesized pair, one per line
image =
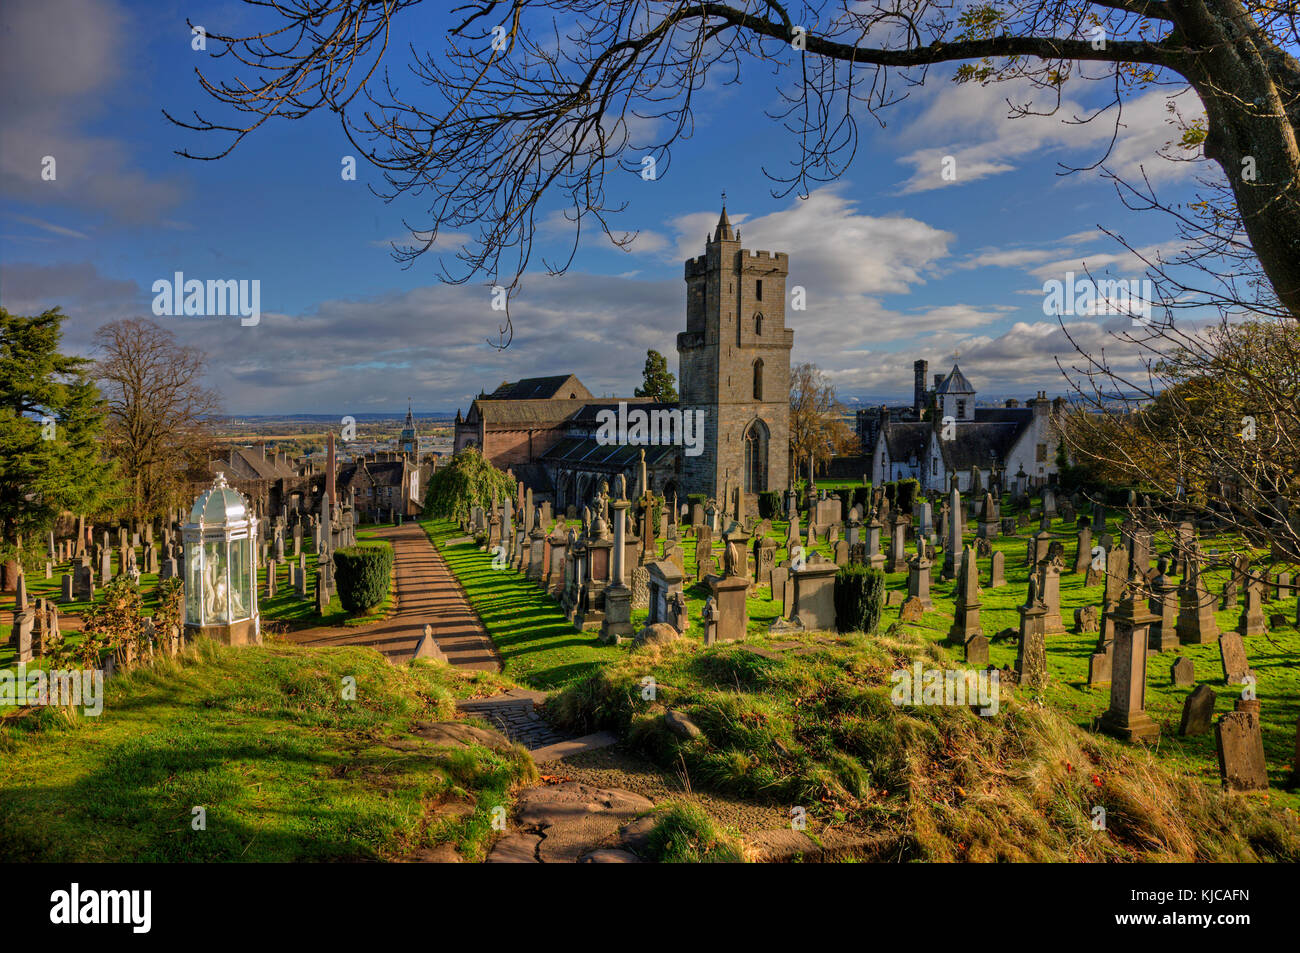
(733, 376)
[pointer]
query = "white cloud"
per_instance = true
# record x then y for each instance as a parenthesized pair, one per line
(973, 124)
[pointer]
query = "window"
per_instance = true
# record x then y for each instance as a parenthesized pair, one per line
(758, 325)
(758, 290)
(755, 474)
(758, 379)
(961, 408)
(1041, 454)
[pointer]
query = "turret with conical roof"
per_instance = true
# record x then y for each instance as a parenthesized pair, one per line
(956, 396)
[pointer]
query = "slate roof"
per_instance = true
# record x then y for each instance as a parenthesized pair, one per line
(557, 387)
(586, 453)
(979, 444)
(907, 441)
(587, 414)
(525, 413)
(955, 383)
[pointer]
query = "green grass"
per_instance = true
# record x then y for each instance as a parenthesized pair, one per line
(264, 740)
(538, 645)
(684, 834)
(818, 729)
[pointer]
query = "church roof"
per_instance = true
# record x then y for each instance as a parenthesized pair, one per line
(557, 387)
(587, 452)
(530, 413)
(955, 383)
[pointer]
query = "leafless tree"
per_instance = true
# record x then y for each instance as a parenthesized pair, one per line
(529, 99)
(159, 414)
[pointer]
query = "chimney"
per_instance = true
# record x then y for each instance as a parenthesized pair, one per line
(262, 449)
(1012, 402)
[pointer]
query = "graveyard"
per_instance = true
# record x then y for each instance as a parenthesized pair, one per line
(495, 434)
(760, 702)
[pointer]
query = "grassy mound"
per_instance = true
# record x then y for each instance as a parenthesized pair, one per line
(816, 728)
(266, 740)
(684, 834)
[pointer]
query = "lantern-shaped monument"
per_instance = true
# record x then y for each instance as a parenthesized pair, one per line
(221, 568)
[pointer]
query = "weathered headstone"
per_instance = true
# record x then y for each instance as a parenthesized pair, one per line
(1198, 712)
(1240, 747)
(1232, 655)
(1183, 672)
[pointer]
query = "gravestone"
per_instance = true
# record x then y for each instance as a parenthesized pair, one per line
(966, 618)
(665, 586)
(1164, 604)
(997, 578)
(1099, 667)
(1183, 672)
(1085, 620)
(1252, 615)
(1083, 552)
(1240, 747)
(1196, 622)
(1126, 718)
(65, 591)
(1198, 712)
(977, 650)
(731, 618)
(814, 595)
(1031, 656)
(1232, 655)
(918, 579)
(780, 577)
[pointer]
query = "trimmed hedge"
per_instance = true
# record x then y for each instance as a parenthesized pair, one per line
(859, 598)
(769, 505)
(908, 490)
(362, 574)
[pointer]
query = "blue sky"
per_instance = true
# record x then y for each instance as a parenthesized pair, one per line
(898, 263)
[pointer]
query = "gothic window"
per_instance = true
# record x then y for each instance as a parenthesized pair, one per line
(758, 325)
(756, 439)
(758, 379)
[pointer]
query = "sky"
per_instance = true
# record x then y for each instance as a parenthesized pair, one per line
(898, 263)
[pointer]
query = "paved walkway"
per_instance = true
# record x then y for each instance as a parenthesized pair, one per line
(427, 594)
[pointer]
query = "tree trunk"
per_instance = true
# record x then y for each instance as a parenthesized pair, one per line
(1251, 93)
(9, 575)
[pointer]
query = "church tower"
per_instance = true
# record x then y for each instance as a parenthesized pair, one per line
(734, 359)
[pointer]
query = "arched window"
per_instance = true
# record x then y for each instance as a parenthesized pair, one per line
(756, 438)
(758, 379)
(758, 324)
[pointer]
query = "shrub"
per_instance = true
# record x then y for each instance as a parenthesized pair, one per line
(908, 490)
(859, 598)
(693, 498)
(467, 481)
(769, 504)
(362, 573)
(862, 495)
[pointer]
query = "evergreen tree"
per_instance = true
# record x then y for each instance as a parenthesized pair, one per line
(51, 423)
(659, 384)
